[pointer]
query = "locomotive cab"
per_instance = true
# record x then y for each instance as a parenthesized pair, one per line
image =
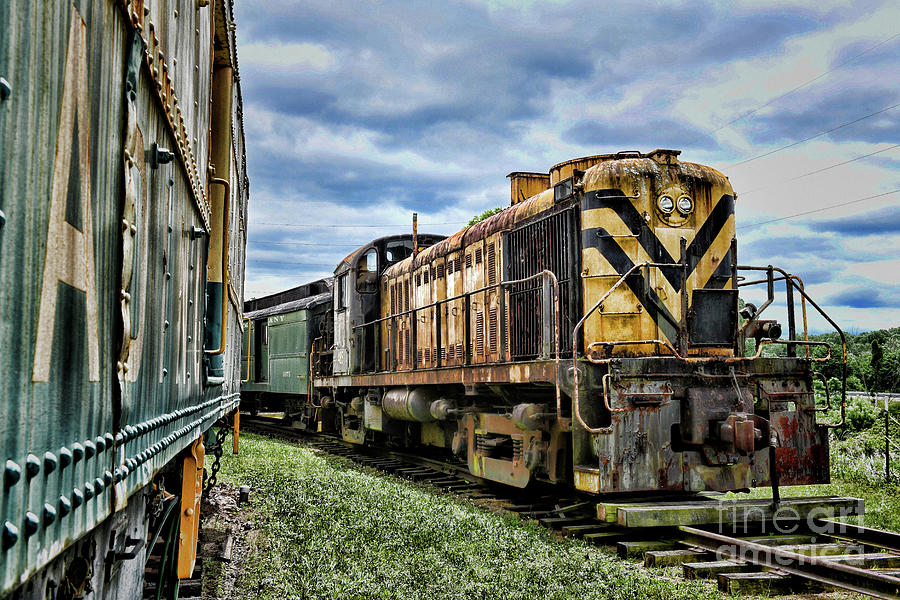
(357, 299)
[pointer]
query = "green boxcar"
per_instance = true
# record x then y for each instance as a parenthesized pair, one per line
(110, 236)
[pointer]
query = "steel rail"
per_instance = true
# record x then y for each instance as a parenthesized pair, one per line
(888, 540)
(820, 570)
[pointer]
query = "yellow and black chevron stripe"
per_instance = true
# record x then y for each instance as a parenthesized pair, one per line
(617, 233)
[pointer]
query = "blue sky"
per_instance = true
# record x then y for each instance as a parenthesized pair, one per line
(359, 113)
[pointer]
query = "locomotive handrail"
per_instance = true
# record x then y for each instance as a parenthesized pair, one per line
(628, 343)
(795, 343)
(579, 325)
(543, 275)
(770, 280)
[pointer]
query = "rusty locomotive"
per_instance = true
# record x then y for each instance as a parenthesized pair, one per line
(589, 334)
(122, 239)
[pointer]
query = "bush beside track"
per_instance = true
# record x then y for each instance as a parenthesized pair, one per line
(327, 531)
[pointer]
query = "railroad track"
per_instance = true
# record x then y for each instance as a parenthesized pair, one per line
(750, 548)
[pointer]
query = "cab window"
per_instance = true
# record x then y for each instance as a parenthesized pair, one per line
(367, 272)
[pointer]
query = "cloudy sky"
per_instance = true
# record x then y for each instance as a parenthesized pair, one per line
(359, 113)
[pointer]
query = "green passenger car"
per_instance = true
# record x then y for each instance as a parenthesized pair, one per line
(279, 331)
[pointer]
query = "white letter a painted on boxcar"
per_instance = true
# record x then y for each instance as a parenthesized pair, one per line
(70, 240)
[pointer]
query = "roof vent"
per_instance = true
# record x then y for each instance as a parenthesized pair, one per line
(665, 157)
(525, 185)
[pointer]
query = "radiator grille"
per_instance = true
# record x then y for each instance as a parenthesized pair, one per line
(548, 244)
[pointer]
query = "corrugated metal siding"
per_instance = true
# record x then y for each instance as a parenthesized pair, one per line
(164, 404)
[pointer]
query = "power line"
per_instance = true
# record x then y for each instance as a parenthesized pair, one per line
(352, 226)
(285, 262)
(815, 210)
(306, 244)
(840, 164)
(794, 89)
(812, 137)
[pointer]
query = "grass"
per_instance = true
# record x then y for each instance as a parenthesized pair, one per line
(328, 531)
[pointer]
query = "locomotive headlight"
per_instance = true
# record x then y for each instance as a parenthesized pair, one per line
(685, 205)
(666, 204)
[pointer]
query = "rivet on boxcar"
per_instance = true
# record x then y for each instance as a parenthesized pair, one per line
(50, 462)
(98, 486)
(77, 498)
(11, 474)
(31, 524)
(165, 372)
(107, 478)
(32, 466)
(110, 440)
(89, 449)
(5, 89)
(10, 535)
(77, 452)
(88, 491)
(49, 515)
(63, 506)
(2, 219)
(100, 443)
(65, 457)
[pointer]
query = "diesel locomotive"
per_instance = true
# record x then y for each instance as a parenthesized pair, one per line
(122, 234)
(587, 335)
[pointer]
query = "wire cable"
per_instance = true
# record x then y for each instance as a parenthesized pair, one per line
(834, 166)
(812, 137)
(794, 89)
(815, 210)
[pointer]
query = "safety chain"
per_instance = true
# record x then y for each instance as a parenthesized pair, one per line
(216, 450)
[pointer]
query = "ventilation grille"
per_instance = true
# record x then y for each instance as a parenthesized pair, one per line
(478, 256)
(543, 245)
(492, 265)
(479, 333)
(493, 325)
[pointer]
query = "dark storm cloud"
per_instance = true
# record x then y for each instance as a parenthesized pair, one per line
(799, 120)
(773, 249)
(637, 133)
(869, 296)
(883, 221)
(356, 183)
(462, 83)
(498, 68)
(756, 33)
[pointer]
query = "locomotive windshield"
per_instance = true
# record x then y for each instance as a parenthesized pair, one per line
(396, 251)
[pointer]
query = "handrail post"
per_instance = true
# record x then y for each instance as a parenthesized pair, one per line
(503, 345)
(547, 319)
(792, 324)
(468, 327)
(437, 334)
(682, 328)
(414, 346)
